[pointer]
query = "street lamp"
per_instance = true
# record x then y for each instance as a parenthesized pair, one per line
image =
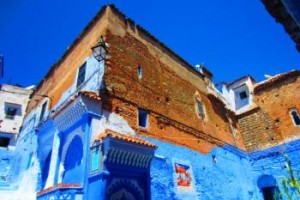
(99, 50)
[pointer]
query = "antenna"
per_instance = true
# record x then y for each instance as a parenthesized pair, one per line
(1, 66)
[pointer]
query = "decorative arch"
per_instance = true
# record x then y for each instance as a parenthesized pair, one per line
(46, 168)
(68, 142)
(267, 185)
(266, 181)
(74, 153)
(120, 189)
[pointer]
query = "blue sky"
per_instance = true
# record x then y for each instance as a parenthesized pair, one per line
(232, 38)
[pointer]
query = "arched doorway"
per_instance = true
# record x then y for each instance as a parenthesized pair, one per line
(124, 189)
(267, 185)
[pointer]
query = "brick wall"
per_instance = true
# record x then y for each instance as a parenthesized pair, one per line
(257, 130)
(271, 123)
(167, 90)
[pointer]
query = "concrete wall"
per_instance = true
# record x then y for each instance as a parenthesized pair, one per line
(16, 97)
(231, 94)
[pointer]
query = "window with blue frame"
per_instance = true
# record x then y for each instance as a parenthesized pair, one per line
(29, 160)
(95, 162)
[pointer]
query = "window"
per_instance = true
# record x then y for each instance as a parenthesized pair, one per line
(4, 141)
(200, 108)
(29, 160)
(44, 106)
(95, 160)
(243, 95)
(10, 113)
(11, 110)
(140, 72)
(295, 117)
(143, 118)
(81, 75)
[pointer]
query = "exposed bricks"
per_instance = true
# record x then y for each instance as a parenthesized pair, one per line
(274, 81)
(257, 130)
(271, 124)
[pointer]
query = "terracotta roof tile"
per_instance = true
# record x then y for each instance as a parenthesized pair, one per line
(59, 186)
(123, 137)
(275, 79)
(89, 94)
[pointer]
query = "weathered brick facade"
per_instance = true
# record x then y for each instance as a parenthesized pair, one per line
(168, 89)
(93, 145)
(271, 123)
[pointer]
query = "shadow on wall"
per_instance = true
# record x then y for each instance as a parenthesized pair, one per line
(75, 148)
(46, 168)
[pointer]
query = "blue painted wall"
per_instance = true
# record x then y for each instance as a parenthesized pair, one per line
(228, 177)
(6, 160)
(272, 162)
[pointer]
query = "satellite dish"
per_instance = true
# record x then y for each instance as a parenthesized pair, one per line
(267, 76)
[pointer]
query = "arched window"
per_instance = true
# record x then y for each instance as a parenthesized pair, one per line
(74, 153)
(46, 169)
(140, 72)
(295, 117)
(199, 107)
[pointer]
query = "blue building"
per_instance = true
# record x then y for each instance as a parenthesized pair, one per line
(122, 116)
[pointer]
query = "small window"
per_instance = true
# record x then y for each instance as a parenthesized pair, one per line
(81, 75)
(10, 113)
(29, 160)
(200, 109)
(140, 72)
(4, 141)
(11, 110)
(95, 160)
(44, 106)
(243, 95)
(143, 118)
(295, 116)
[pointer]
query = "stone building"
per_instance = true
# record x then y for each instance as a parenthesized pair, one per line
(122, 116)
(13, 103)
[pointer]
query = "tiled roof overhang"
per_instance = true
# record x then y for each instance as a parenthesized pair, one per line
(59, 186)
(127, 138)
(275, 80)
